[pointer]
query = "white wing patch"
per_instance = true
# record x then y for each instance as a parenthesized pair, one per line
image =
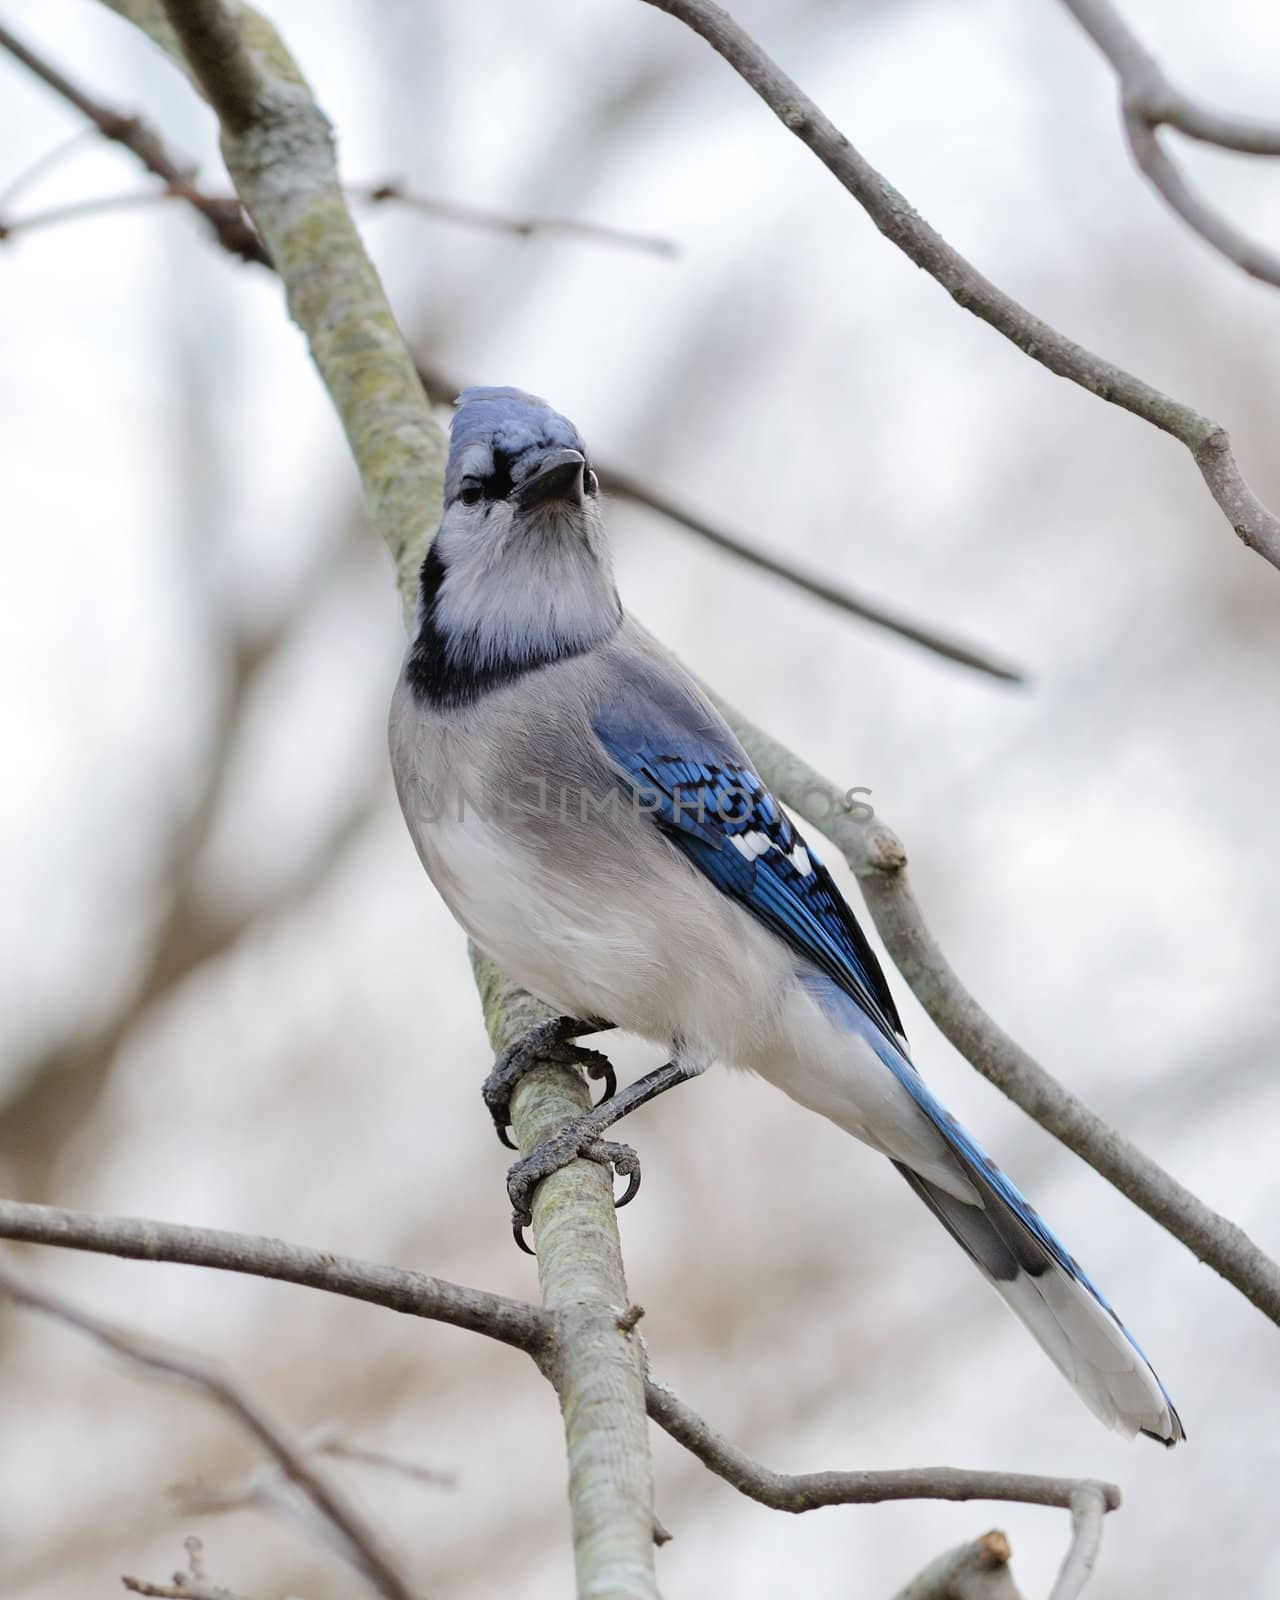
(751, 845)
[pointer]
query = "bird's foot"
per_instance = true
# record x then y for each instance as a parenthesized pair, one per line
(578, 1138)
(547, 1042)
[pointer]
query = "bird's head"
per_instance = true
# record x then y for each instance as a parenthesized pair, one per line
(517, 473)
(519, 571)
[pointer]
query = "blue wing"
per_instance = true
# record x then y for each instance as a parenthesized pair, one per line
(696, 782)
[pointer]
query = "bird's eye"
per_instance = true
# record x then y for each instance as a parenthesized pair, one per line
(470, 491)
(590, 482)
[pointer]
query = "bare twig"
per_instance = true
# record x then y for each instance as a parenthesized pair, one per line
(192, 1584)
(623, 486)
(226, 217)
(879, 859)
(235, 234)
(1148, 100)
(215, 205)
(1215, 229)
(357, 1543)
(1087, 1511)
(512, 1322)
(529, 1328)
(327, 1442)
(892, 213)
(79, 210)
(182, 1588)
(810, 1491)
(524, 227)
(977, 1571)
(44, 164)
(1149, 94)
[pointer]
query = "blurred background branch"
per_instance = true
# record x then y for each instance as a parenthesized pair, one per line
(582, 1345)
(1148, 101)
(235, 233)
(341, 1525)
(976, 1571)
(893, 214)
(879, 861)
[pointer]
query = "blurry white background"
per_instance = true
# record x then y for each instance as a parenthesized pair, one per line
(1095, 851)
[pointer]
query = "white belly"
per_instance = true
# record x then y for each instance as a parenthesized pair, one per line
(644, 944)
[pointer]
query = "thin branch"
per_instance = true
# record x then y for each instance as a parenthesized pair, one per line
(529, 1328)
(192, 1584)
(1148, 93)
(236, 235)
(328, 1442)
(1215, 229)
(1148, 100)
(879, 860)
(357, 1543)
(977, 1571)
(623, 486)
(44, 164)
(810, 1491)
(523, 227)
(79, 210)
(513, 1322)
(1206, 439)
(227, 219)
(215, 205)
(1087, 1511)
(284, 167)
(183, 1588)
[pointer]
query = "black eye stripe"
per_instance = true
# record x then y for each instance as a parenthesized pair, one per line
(497, 486)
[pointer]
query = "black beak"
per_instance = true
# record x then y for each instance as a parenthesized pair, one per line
(559, 477)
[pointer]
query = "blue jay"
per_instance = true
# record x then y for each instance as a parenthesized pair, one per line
(596, 828)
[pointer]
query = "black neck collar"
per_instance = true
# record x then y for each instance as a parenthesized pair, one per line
(449, 673)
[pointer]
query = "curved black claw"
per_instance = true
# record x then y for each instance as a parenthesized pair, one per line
(600, 1067)
(573, 1140)
(550, 1041)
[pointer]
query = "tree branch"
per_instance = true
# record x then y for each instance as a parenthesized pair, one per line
(879, 860)
(1148, 93)
(623, 486)
(1215, 229)
(523, 227)
(1087, 1511)
(357, 1543)
(810, 1491)
(977, 1571)
(191, 1584)
(594, 1362)
(1148, 100)
(236, 235)
(227, 219)
(283, 165)
(1206, 439)
(278, 149)
(211, 39)
(538, 1332)
(524, 1327)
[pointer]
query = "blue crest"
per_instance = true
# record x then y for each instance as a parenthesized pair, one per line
(510, 422)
